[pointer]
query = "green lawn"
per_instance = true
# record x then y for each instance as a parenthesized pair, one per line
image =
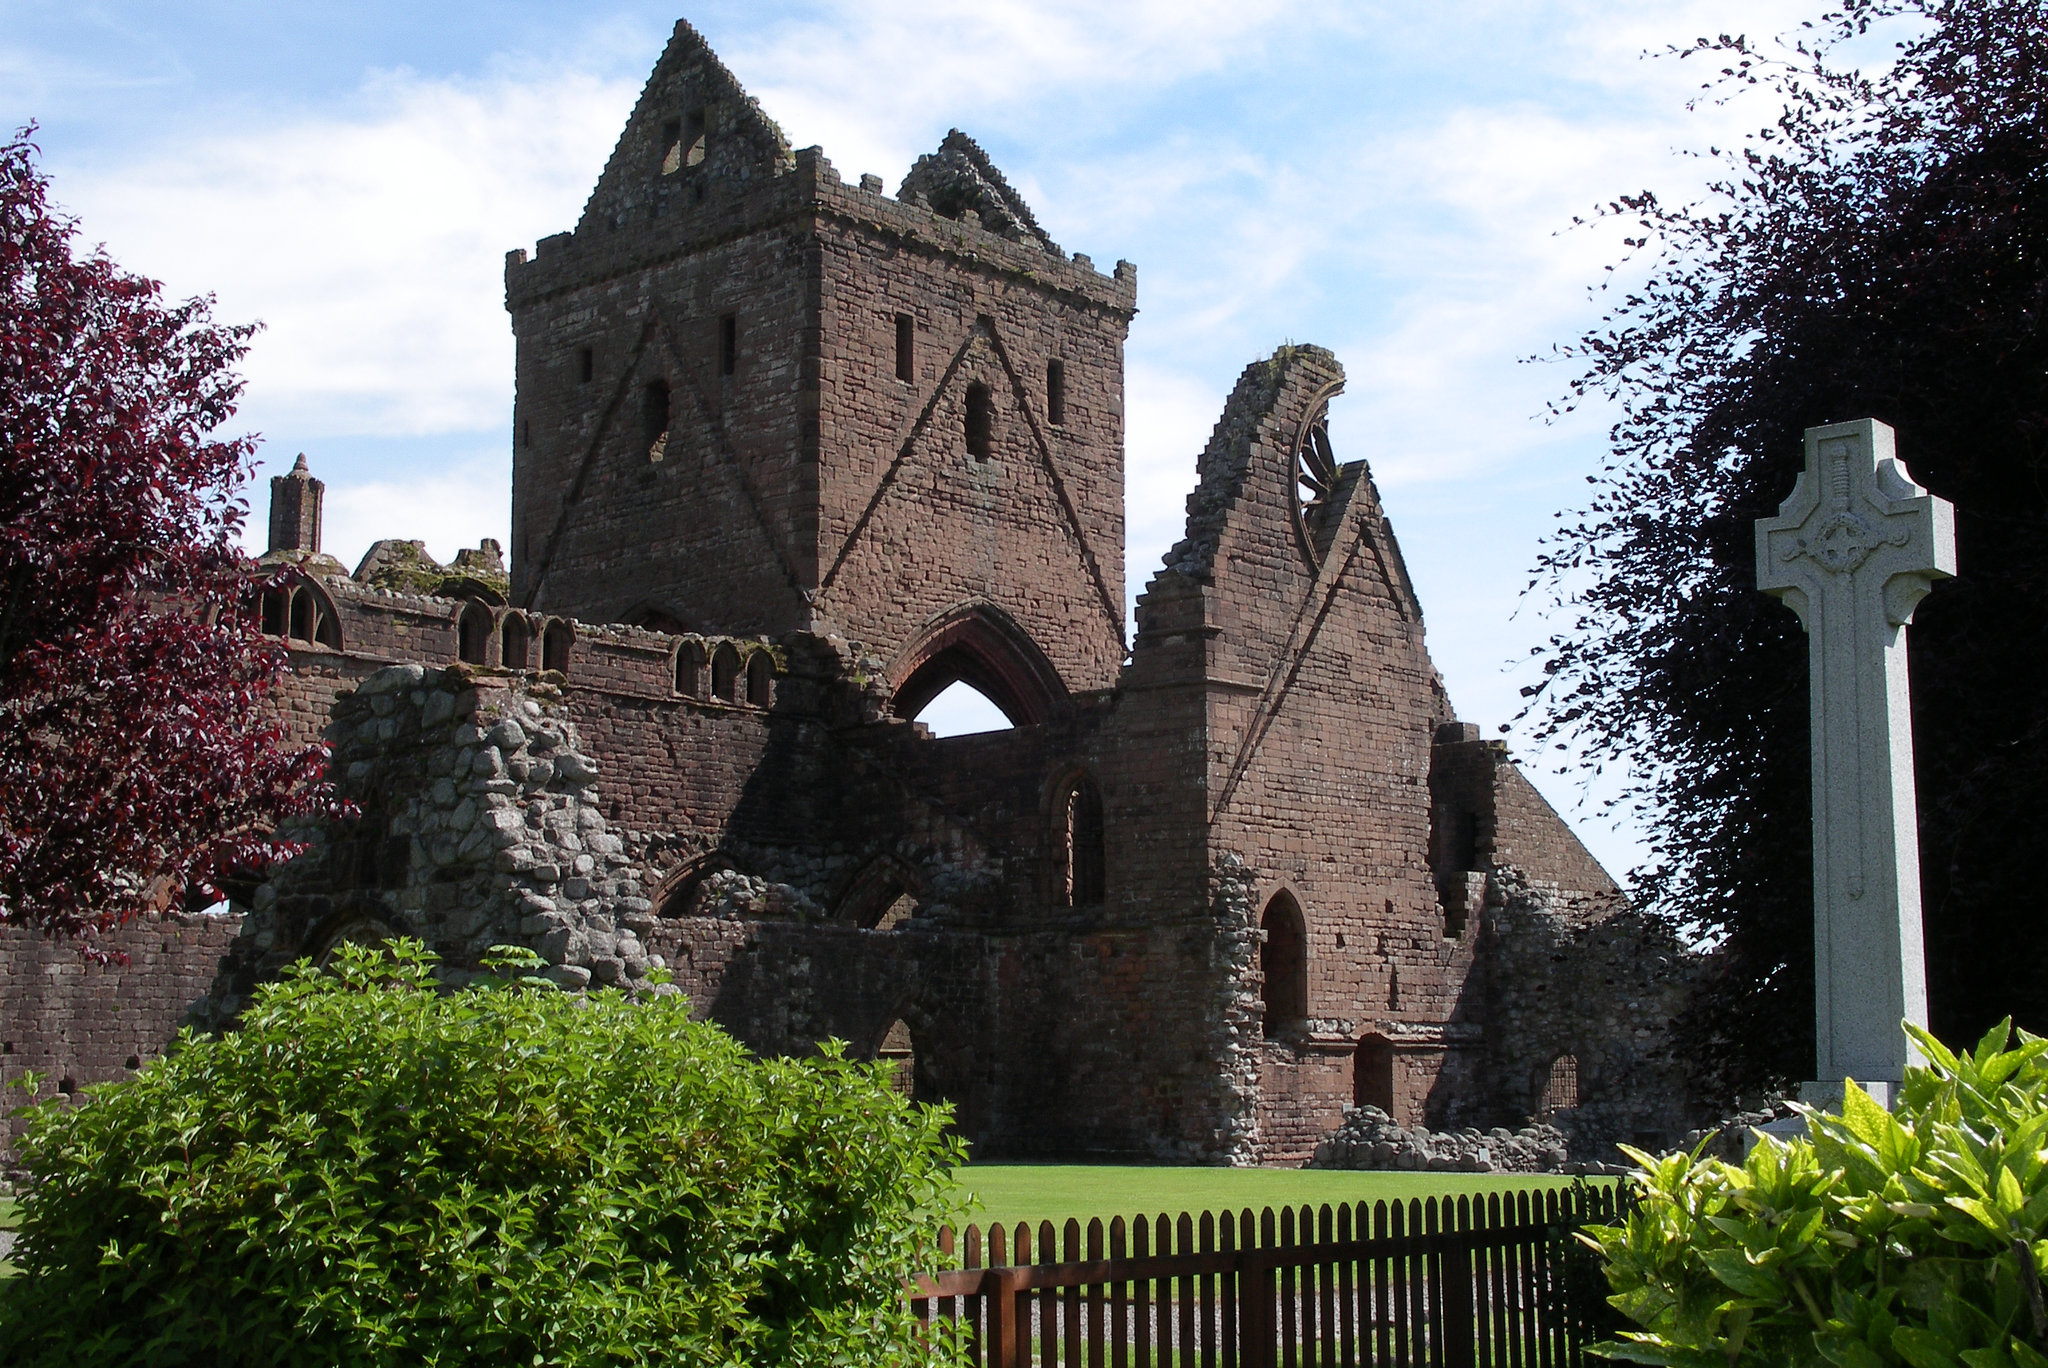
(1055, 1192)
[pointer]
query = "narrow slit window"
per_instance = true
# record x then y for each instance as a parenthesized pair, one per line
(906, 339)
(654, 404)
(1056, 393)
(671, 147)
(696, 139)
(981, 421)
(728, 344)
(1080, 833)
(586, 365)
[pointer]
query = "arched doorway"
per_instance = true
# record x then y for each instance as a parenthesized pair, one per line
(1284, 961)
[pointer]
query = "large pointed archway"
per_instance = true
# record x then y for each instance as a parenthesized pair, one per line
(981, 646)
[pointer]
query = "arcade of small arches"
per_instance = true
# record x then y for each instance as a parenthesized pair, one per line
(514, 634)
(297, 609)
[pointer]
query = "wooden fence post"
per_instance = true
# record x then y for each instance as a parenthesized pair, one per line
(1001, 1287)
(1456, 1307)
(1258, 1288)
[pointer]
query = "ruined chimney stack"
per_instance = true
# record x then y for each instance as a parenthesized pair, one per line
(295, 509)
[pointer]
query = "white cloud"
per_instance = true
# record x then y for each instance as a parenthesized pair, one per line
(871, 82)
(371, 247)
(455, 504)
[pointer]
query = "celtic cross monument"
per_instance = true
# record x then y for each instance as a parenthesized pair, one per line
(1853, 552)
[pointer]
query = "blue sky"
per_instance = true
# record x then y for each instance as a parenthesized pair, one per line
(1394, 182)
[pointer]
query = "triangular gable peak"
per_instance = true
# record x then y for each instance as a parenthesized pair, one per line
(693, 127)
(959, 177)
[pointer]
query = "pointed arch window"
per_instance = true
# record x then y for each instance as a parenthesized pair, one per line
(515, 642)
(1078, 828)
(690, 669)
(299, 611)
(899, 1052)
(725, 673)
(761, 679)
(1284, 960)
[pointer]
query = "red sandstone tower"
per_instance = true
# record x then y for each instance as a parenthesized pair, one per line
(753, 399)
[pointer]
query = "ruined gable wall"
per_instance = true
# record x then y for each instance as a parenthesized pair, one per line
(1319, 707)
(912, 524)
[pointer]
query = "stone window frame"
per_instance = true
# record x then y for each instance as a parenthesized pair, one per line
(906, 348)
(728, 667)
(897, 1045)
(876, 887)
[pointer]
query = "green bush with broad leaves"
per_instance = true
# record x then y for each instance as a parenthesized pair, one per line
(371, 1171)
(1908, 1238)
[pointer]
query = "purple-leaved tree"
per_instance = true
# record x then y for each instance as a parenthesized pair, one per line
(137, 759)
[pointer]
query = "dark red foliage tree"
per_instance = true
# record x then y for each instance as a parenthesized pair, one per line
(136, 756)
(1881, 250)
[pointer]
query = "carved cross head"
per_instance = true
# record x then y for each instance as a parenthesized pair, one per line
(1855, 521)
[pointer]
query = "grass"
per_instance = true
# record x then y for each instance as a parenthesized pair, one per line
(1057, 1192)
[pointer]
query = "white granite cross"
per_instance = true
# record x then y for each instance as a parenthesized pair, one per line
(1853, 552)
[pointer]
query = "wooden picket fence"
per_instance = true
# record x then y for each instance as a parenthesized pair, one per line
(1432, 1283)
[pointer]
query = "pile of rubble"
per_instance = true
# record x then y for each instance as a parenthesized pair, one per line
(1370, 1139)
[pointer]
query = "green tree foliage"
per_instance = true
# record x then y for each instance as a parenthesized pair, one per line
(1880, 251)
(370, 1171)
(1908, 1239)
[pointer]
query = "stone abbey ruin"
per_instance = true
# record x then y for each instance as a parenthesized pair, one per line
(791, 457)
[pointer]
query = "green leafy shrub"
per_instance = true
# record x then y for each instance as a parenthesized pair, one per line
(1910, 1238)
(373, 1172)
